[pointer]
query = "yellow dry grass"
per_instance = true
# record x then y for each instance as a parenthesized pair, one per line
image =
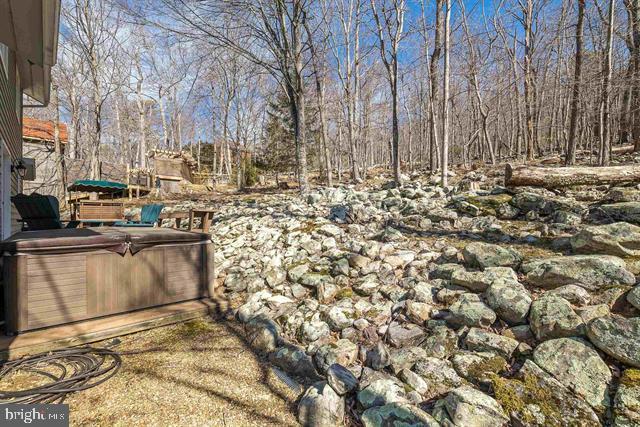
(199, 373)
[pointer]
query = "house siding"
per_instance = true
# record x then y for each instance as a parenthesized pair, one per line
(10, 131)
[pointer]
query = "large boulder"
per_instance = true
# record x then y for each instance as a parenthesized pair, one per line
(467, 407)
(535, 398)
(469, 310)
(619, 239)
(483, 255)
(510, 300)
(626, 404)
(625, 211)
(321, 406)
(553, 317)
(617, 336)
(479, 281)
(397, 414)
(578, 366)
(589, 271)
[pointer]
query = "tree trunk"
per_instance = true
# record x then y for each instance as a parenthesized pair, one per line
(531, 176)
(605, 149)
(60, 166)
(433, 77)
(575, 96)
(445, 96)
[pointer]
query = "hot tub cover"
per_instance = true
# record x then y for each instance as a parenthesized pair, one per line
(108, 238)
(67, 240)
(140, 238)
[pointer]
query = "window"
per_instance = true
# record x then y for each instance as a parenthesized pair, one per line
(4, 58)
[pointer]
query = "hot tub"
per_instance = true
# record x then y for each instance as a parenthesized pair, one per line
(53, 277)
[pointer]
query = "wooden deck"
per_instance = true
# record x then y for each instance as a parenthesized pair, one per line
(73, 334)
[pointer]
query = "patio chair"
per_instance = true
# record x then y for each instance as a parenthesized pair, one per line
(148, 217)
(39, 212)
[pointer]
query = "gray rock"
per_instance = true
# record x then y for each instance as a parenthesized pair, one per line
(475, 281)
(313, 330)
(481, 340)
(478, 366)
(617, 336)
(619, 239)
(342, 352)
(624, 211)
(294, 360)
(404, 335)
(397, 414)
(442, 342)
(590, 312)
(378, 357)
(405, 358)
(341, 379)
(444, 271)
(358, 261)
(339, 318)
(341, 266)
(535, 398)
(626, 404)
(634, 297)
(418, 312)
(576, 295)
(469, 310)
(578, 366)
(553, 317)
(414, 381)
(510, 300)
(295, 272)
(262, 334)
(468, 407)
(367, 285)
(483, 255)
(313, 280)
(274, 276)
(589, 271)
(381, 392)
(438, 374)
(321, 406)
(235, 282)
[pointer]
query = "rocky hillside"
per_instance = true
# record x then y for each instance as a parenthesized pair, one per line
(425, 306)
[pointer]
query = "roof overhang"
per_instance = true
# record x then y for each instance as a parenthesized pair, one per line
(30, 29)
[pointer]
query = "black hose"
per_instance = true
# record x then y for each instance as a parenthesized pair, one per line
(79, 369)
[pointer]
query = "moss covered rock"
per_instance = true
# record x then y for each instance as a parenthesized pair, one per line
(535, 398)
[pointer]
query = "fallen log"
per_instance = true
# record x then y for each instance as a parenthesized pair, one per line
(532, 176)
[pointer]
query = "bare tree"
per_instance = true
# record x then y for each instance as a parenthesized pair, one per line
(389, 21)
(445, 94)
(575, 95)
(94, 23)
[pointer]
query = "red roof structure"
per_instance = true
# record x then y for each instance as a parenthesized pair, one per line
(42, 130)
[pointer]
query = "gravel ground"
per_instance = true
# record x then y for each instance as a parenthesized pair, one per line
(196, 373)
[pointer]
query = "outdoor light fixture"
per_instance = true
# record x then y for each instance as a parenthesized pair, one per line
(19, 166)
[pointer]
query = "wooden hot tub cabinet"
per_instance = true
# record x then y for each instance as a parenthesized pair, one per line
(60, 276)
